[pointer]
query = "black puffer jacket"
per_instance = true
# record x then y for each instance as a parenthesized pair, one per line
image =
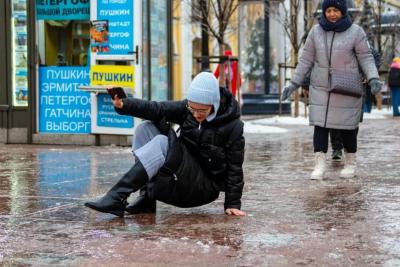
(211, 151)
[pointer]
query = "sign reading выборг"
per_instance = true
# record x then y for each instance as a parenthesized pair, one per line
(62, 9)
(119, 14)
(63, 108)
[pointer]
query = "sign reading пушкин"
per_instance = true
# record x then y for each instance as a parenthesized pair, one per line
(63, 108)
(63, 9)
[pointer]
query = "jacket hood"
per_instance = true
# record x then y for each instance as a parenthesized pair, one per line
(229, 108)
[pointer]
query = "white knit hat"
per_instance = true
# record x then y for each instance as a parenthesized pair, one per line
(204, 89)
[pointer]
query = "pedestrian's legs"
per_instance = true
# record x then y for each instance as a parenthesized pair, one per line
(337, 144)
(395, 101)
(336, 139)
(367, 100)
(349, 138)
(320, 148)
(320, 139)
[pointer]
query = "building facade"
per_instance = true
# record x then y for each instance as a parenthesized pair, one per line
(53, 50)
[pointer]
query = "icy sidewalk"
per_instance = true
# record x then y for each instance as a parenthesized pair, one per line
(291, 220)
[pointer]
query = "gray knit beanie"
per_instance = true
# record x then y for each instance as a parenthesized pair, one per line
(204, 89)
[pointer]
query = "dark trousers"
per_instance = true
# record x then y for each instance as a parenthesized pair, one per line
(349, 139)
(367, 100)
(336, 139)
(395, 100)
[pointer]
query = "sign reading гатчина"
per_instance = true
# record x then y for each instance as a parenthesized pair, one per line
(63, 108)
(63, 9)
(119, 14)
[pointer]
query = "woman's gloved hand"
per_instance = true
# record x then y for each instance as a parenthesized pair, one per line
(376, 85)
(288, 90)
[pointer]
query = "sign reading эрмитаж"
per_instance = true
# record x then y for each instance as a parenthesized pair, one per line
(62, 9)
(119, 14)
(63, 108)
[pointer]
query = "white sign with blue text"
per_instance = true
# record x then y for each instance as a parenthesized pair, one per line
(63, 108)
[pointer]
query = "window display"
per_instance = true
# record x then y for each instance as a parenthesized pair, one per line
(159, 50)
(20, 53)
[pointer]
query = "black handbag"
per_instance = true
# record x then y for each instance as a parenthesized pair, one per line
(343, 82)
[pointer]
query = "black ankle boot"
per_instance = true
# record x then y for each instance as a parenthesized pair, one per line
(114, 201)
(142, 204)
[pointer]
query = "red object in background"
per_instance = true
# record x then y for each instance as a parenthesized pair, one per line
(234, 73)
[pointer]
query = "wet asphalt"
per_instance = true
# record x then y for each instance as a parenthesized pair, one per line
(292, 220)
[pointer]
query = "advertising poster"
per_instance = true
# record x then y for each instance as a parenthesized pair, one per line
(116, 76)
(63, 107)
(62, 9)
(99, 39)
(20, 54)
(119, 14)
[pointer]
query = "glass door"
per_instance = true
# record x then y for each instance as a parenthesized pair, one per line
(156, 62)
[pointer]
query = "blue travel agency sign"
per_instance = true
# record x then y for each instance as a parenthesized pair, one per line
(63, 107)
(119, 14)
(63, 9)
(106, 115)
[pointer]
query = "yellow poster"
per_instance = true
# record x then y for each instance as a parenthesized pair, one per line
(112, 75)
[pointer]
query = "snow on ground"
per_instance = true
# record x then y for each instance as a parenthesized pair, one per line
(269, 125)
(378, 114)
(263, 125)
(250, 127)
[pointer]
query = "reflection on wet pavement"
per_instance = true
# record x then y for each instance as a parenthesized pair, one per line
(292, 221)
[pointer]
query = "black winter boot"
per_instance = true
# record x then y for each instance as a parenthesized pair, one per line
(142, 204)
(114, 201)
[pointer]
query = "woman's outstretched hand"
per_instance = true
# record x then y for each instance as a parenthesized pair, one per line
(235, 212)
(117, 102)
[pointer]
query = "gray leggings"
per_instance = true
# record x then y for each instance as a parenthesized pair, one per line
(150, 147)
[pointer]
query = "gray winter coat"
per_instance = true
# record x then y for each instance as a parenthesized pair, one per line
(350, 51)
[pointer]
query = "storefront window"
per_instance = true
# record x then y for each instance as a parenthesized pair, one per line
(252, 56)
(146, 54)
(63, 30)
(20, 55)
(159, 49)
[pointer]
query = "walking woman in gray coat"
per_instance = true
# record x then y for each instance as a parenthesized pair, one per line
(188, 170)
(335, 43)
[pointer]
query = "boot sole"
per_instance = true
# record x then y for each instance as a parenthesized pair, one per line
(114, 212)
